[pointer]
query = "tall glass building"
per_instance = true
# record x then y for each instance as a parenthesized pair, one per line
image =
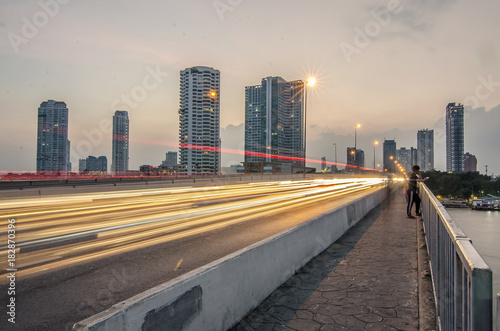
(425, 149)
(454, 137)
(52, 139)
(389, 155)
(199, 121)
(274, 121)
(120, 154)
(355, 158)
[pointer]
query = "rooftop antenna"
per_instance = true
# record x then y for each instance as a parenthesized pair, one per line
(486, 170)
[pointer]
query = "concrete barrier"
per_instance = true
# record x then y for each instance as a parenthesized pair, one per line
(218, 295)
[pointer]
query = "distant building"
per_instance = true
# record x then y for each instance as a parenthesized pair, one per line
(355, 158)
(404, 158)
(454, 137)
(274, 124)
(199, 120)
(53, 146)
(470, 163)
(389, 155)
(413, 157)
(234, 169)
(274, 168)
(93, 164)
(425, 150)
(170, 159)
(82, 165)
(102, 164)
(121, 134)
(323, 163)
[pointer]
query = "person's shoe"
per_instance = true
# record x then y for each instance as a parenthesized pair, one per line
(418, 214)
(411, 216)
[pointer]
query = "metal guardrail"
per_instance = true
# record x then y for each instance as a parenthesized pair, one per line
(498, 311)
(462, 280)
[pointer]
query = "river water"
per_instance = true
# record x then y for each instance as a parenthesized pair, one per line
(483, 228)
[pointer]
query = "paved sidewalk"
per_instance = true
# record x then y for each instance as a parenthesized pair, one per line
(367, 280)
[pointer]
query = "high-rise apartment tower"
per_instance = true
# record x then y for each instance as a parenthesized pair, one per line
(425, 149)
(454, 137)
(52, 139)
(121, 138)
(199, 121)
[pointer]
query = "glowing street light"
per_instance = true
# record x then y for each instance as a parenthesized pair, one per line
(375, 143)
(311, 81)
(335, 145)
(355, 144)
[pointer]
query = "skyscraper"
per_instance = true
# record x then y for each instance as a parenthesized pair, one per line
(425, 149)
(199, 120)
(52, 139)
(454, 137)
(389, 155)
(120, 141)
(274, 125)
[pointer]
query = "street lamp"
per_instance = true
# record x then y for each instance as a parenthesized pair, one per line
(375, 143)
(355, 145)
(310, 82)
(335, 145)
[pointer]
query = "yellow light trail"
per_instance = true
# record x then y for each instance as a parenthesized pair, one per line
(125, 221)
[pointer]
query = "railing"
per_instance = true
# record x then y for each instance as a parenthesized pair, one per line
(498, 311)
(462, 281)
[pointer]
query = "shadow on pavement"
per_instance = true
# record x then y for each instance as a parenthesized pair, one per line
(283, 304)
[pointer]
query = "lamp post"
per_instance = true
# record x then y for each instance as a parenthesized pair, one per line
(355, 145)
(310, 82)
(335, 146)
(375, 143)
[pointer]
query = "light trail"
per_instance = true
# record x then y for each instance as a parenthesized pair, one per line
(118, 222)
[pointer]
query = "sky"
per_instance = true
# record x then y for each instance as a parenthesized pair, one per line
(390, 65)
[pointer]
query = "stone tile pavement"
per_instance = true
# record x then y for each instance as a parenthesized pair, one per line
(367, 280)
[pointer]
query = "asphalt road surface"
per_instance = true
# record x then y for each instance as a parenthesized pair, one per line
(79, 254)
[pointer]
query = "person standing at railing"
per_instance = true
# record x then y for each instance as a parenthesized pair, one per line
(412, 191)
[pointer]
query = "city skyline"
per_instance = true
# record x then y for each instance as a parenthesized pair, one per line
(394, 79)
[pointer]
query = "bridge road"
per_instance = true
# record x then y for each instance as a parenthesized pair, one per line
(367, 280)
(53, 294)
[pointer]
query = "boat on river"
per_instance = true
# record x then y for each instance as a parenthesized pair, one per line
(486, 203)
(448, 203)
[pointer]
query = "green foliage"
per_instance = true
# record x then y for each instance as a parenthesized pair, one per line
(461, 185)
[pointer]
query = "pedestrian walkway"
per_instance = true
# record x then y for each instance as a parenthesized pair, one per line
(367, 280)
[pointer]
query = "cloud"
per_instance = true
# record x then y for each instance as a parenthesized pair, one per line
(415, 18)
